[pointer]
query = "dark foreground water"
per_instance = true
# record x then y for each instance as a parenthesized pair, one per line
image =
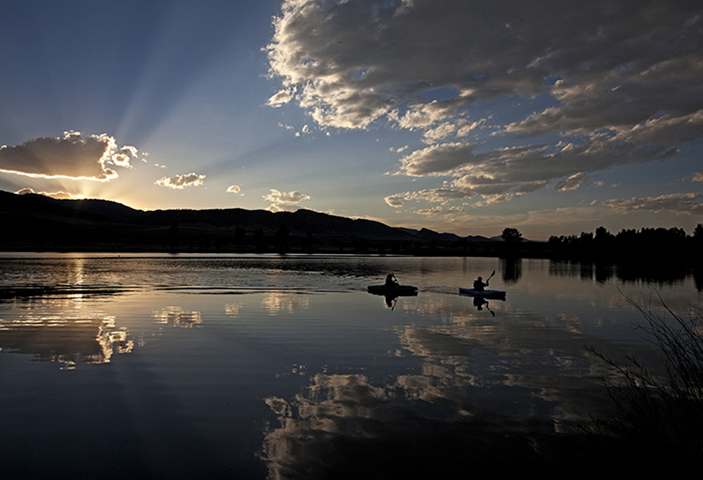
(267, 367)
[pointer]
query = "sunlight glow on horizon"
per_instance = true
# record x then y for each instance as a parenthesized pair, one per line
(429, 131)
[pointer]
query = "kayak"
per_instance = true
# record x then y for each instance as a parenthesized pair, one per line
(395, 291)
(483, 293)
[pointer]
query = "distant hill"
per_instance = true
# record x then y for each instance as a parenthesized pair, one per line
(300, 222)
(43, 206)
(93, 210)
(37, 222)
(430, 235)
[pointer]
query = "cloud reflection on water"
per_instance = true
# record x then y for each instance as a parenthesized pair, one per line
(176, 316)
(232, 309)
(65, 339)
(490, 393)
(344, 426)
(276, 302)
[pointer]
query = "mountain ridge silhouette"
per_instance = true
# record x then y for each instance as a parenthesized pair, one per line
(33, 217)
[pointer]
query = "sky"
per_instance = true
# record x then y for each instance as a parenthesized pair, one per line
(468, 117)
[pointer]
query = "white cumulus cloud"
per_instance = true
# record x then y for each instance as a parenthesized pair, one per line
(395, 201)
(284, 201)
(679, 203)
(281, 197)
(280, 98)
(179, 182)
(56, 195)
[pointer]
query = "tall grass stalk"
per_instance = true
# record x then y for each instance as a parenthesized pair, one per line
(660, 413)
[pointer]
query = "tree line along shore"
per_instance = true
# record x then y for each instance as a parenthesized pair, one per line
(648, 244)
(33, 222)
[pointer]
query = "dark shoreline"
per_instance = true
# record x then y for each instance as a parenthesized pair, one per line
(35, 223)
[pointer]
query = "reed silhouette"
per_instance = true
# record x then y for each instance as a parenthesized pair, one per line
(659, 413)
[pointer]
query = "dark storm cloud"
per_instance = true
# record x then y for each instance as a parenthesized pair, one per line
(623, 78)
(355, 61)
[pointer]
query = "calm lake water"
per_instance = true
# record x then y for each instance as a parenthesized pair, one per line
(285, 367)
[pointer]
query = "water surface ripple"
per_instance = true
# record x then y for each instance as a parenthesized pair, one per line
(285, 367)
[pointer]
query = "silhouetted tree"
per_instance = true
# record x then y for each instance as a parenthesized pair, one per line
(697, 242)
(307, 243)
(203, 241)
(259, 239)
(382, 246)
(698, 232)
(282, 238)
(654, 244)
(239, 235)
(603, 235)
(395, 246)
(361, 245)
(511, 235)
(220, 243)
(626, 240)
(603, 241)
(174, 236)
